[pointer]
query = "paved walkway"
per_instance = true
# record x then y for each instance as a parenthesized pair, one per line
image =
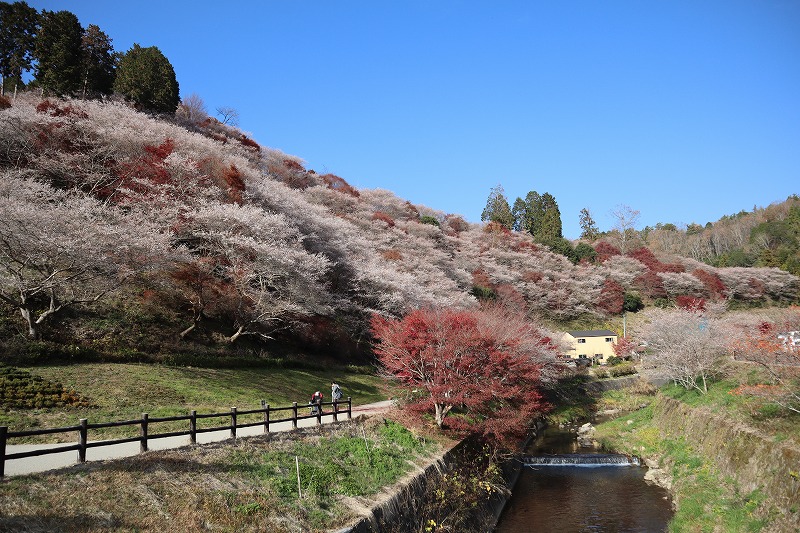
(42, 463)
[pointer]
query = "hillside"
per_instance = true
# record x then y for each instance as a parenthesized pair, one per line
(765, 236)
(128, 235)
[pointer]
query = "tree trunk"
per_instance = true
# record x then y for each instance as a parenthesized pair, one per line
(33, 330)
(441, 412)
(236, 335)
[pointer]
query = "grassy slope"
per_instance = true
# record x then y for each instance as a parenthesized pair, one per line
(124, 391)
(247, 486)
(706, 499)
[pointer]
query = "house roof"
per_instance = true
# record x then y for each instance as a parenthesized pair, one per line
(593, 333)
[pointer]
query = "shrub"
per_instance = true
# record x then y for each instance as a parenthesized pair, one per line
(427, 219)
(5, 102)
(624, 369)
(383, 217)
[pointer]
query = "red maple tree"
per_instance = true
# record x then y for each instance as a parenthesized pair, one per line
(481, 366)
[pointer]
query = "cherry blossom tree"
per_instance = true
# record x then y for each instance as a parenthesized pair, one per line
(684, 346)
(60, 249)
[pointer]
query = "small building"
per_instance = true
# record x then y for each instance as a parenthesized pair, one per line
(596, 345)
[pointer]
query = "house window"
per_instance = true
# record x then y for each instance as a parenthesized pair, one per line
(582, 356)
(581, 341)
(609, 339)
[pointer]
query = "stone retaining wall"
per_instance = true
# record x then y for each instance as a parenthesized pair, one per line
(756, 461)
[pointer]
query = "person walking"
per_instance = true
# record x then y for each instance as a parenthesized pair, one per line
(336, 394)
(316, 403)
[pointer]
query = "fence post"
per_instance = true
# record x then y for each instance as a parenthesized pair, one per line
(349, 407)
(3, 431)
(294, 415)
(233, 422)
(193, 427)
(143, 433)
(83, 437)
(265, 407)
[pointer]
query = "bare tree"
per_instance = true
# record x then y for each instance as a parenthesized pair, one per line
(229, 115)
(625, 226)
(192, 109)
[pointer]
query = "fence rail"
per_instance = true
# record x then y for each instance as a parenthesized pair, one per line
(145, 423)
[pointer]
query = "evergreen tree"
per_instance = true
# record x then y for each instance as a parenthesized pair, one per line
(18, 26)
(589, 229)
(534, 213)
(497, 208)
(98, 62)
(146, 77)
(520, 212)
(549, 230)
(58, 53)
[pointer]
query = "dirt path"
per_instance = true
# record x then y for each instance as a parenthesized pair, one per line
(42, 463)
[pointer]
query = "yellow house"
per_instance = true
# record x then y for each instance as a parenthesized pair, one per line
(597, 344)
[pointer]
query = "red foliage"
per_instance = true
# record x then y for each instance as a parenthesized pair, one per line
(624, 347)
(524, 246)
(496, 228)
(339, 184)
(146, 174)
(650, 284)
(507, 296)
(291, 164)
(612, 297)
(646, 257)
(249, 143)
(605, 251)
(5, 102)
(380, 215)
(392, 254)
(691, 303)
(412, 213)
(455, 224)
(714, 286)
(531, 276)
(54, 110)
(485, 364)
(236, 186)
(481, 279)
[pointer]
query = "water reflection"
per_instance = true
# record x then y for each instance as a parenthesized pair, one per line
(566, 499)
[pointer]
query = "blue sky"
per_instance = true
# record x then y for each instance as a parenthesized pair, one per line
(683, 110)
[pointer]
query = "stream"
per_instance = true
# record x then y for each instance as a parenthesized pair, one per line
(564, 487)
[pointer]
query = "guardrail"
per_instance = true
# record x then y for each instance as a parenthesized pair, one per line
(145, 423)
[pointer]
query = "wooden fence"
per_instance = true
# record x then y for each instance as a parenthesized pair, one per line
(146, 422)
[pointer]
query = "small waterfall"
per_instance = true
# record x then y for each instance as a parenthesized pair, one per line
(580, 459)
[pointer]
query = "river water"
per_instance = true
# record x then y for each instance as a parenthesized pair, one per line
(582, 498)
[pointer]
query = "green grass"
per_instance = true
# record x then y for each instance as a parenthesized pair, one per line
(125, 391)
(758, 412)
(249, 485)
(706, 501)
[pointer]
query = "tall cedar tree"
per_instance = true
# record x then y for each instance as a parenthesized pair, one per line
(485, 365)
(18, 26)
(589, 229)
(146, 77)
(58, 53)
(497, 208)
(98, 62)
